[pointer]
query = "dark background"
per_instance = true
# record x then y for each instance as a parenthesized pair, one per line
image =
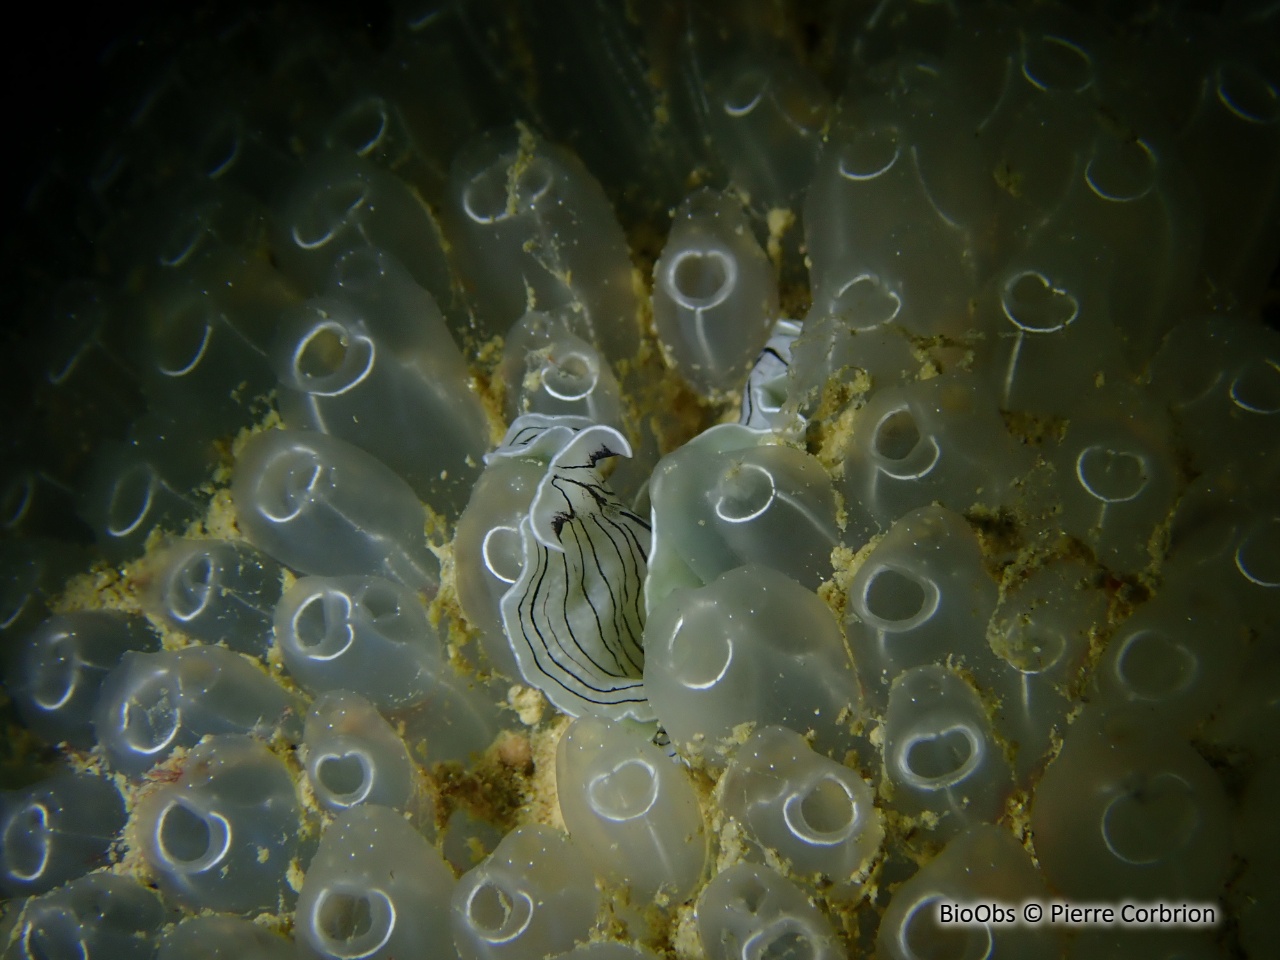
(69, 78)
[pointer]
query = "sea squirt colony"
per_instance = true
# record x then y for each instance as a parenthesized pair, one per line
(887, 516)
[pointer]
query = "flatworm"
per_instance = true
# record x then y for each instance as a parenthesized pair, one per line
(575, 615)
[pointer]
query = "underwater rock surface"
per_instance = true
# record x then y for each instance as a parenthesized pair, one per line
(506, 479)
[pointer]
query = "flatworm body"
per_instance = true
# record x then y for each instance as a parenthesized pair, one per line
(575, 615)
